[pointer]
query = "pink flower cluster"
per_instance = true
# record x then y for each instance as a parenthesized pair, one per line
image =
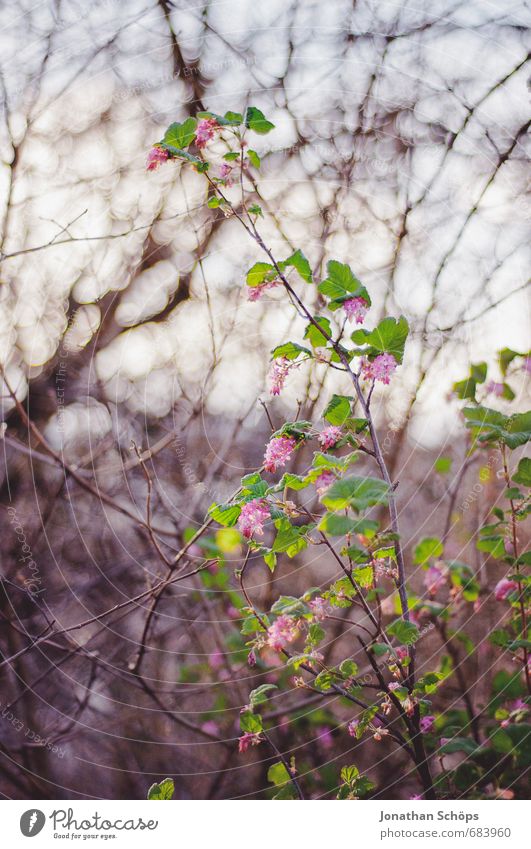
(324, 482)
(225, 171)
(252, 518)
(435, 578)
(256, 292)
(356, 308)
(319, 608)
(504, 588)
(247, 740)
(205, 130)
(278, 374)
(493, 388)
(156, 156)
(330, 436)
(283, 631)
(352, 727)
(278, 451)
(426, 723)
(381, 368)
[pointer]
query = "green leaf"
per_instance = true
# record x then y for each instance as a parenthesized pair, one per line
(259, 695)
(523, 473)
(255, 120)
(428, 548)
(225, 514)
(164, 790)
(254, 158)
(341, 285)
(230, 119)
(214, 202)
(299, 262)
(465, 389)
(405, 632)
(183, 154)
(277, 774)
(363, 576)
(290, 350)
(180, 135)
(459, 744)
(348, 668)
(251, 722)
(290, 539)
(337, 525)
(388, 337)
(338, 409)
(254, 209)
(290, 606)
(318, 339)
(358, 493)
(505, 358)
(491, 425)
(443, 465)
(324, 680)
(232, 156)
(259, 273)
(233, 118)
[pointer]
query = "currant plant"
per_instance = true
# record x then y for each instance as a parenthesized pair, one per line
(279, 513)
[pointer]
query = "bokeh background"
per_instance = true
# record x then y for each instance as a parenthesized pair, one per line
(400, 146)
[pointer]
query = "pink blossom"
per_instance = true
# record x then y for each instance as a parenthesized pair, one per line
(205, 130)
(505, 723)
(251, 658)
(356, 308)
(426, 723)
(156, 156)
(247, 740)
(278, 374)
(278, 451)
(225, 171)
(352, 727)
(503, 588)
(434, 579)
(415, 797)
(319, 608)
(252, 517)
(324, 481)
(494, 388)
(394, 685)
(527, 365)
(210, 727)
(330, 436)
(324, 736)
(256, 292)
(381, 368)
(216, 660)
(402, 652)
(519, 704)
(283, 631)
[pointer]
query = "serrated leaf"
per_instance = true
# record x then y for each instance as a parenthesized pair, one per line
(356, 492)
(523, 473)
(259, 695)
(298, 261)
(225, 514)
(290, 350)
(338, 409)
(428, 548)
(316, 337)
(277, 774)
(180, 135)
(259, 273)
(341, 284)
(164, 790)
(388, 337)
(255, 120)
(405, 632)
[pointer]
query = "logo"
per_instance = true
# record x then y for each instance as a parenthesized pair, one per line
(32, 822)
